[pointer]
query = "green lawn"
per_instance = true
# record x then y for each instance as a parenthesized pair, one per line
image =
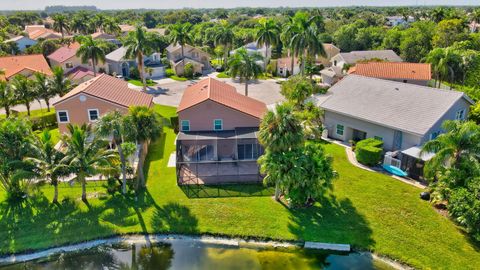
(139, 83)
(371, 211)
(177, 78)
(34, 113)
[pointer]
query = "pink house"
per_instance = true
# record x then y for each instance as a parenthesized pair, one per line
(217, 142)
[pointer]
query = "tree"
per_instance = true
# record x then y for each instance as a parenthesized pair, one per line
(86, 154)
(417, 41)
(297, 89)
(444, 62)
(59, 83)
(91, 50)
(110, 26)
(113, 124)
(47, 161)
(144, 125)
(42, 88)
(244, 65)
(23, 90)
(448, 32)
(393, 38)
(61, 24)
(180, 35)
(267, 34)
(7, 97)
(138, 45)
(223, 35)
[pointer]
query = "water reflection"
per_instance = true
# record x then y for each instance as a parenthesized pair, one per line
(192, 256)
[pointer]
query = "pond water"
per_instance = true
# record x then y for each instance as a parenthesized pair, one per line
(194, 255)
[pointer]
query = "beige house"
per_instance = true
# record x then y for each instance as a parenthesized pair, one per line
(90, 100)
(198, 58)
(37, 32)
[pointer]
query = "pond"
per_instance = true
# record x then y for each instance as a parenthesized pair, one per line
(195, 255)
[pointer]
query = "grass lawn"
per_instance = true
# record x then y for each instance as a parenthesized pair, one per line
(371, 211)
(34, 113)
(177, 78)
(139, 83)
(223, 75)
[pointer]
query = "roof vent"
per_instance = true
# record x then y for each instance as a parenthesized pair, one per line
(396, 88)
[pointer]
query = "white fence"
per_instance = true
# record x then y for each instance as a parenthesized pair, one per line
(388, 160)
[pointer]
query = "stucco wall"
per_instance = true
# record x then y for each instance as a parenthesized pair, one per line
(75, 63)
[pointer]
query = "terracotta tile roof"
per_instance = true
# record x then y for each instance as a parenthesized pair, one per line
(15, 64)
(64, 53)
(43, 33)
(126, 27)
(394, 70)
(79, 72)
(287, 61)
(110, 89)
(222, 93)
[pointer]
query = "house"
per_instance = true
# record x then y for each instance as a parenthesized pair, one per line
(80, 74)
(284, 65)
(474, 27)
(87, 102)
(198, 58)
(403, 115)
(66, 58)
(393, 21)
(126, 28)
(331, 75)
(107, 37)
(119, 65)
(351, 58)
(22, 42)
(253, 48)
(37, 32)
(26, 65)
(217, 142)
(415, 73)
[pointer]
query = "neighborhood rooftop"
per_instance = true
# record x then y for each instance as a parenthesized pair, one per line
(110, 89)
(390, 70)
(117, 55)
(355, 56)
(64, 53)
(406, 107)
(222, 93)
(13, 65)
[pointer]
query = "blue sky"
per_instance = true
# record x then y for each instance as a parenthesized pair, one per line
(160, 4)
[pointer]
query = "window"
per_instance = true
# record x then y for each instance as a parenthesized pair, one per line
(217, 124)
(62, 116)
(249, 151)
(185, 125)
(68, 65)
(460, 115)
(198, 152)
(378, 138)
(340, 129)
(93, 114)
(335, 62)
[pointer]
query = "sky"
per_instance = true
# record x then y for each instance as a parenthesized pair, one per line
(166, 4)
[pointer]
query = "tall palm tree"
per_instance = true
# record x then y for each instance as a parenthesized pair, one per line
(7, 97)
(23, 90)
(280, 131)
(59, 83)
(61, 24)
(47, 161)
(86, 154)
(91, 50)
(245, 66)
(81, 23)
(113, 124)
(289, 30)
(180, 35)
(268, 34)
(143, 125)
(444, 61)
(41, 85)
(223, 35)
(138, 45)
(111, 27)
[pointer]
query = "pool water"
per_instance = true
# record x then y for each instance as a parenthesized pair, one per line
(194, 255)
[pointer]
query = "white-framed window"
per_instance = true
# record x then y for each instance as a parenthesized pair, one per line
(69, 65)
(62, 117)
(460, 115)
(340, 129)
(185, 125)
(93, 115)
(218, 124)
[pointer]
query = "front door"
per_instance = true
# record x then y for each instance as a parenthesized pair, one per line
(397, 140)
(358, 135)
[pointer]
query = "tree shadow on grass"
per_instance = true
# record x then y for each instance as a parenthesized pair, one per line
(174, 217)
(226, 190)
(332, 221)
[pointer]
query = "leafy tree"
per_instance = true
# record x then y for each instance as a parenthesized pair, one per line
(180, 34)
(297, 89)
(61, 24)
(110, 26)
(223, 35)
(138, 45)
(417, 41)
(7, 97)
(370, 38)
(144, 125)
(345, 36)
(448, 32)
(23, 90)
(244, 65)
(392, 39)
(86, 154)
(91, 50)
(268, 35)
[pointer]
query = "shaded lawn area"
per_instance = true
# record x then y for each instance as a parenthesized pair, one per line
(139, 82)
(368, 210)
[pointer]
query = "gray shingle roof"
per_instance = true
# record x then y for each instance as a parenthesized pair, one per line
(354, 56)
(117, 55)
(406, 107)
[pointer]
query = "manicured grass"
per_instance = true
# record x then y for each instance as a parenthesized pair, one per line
(54, 132)
(139, 83)
(223, 75)
(371, 211)
(216, 62)
(176, 78)
(33, 113)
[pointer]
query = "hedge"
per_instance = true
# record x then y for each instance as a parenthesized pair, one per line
(174, 123)
(369, 151)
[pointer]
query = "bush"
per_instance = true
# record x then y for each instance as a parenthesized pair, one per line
(369, 151)
(49, 120)
(134, 73)
(188, 70)
(169, 72)
(174, 123)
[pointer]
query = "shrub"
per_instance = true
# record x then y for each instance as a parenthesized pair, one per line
(134, 73)
(174, 123)
(369, 151)
(188, 70)
(169, 72)
(49, 120)
(223, 75)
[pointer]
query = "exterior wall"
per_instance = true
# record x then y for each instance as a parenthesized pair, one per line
(75, 61)
(372, 130)
(179, 68)
(331, 52)
(282, 70)
(338, 61)
(78, 110)
(201, 117)
(196, 54)
(116, 67)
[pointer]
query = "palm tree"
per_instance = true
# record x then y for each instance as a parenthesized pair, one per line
(224, 36)
(86, 154)
(143, 125)
(113, 124)
(59, 84)
(111, 27)
(42, 88)
(47, 161)
(61, 24)
(268, 34)
(24, 93)
(244, 65)
(138, 45)
(180, 35)
(7, 97)
(443, 60)
(286, 36)
(280, 131)
(91, 50)
(81, 23)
